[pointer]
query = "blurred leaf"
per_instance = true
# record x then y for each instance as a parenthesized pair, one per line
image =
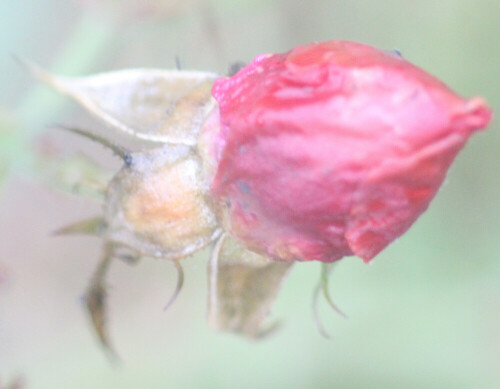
(8, 127)
(156, 105)
(94, 226)
(75, 174)
(242, 288)
(3, 169)
(139, 9)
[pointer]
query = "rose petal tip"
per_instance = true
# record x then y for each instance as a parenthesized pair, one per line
(477, 113)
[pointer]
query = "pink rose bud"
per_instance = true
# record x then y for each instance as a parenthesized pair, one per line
(331, 149)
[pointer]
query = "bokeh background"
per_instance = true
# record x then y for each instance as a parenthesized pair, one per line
(424, 314)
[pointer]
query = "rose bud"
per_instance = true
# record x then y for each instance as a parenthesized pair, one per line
(331, 149)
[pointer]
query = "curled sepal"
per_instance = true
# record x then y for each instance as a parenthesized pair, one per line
(95, 300)
(242, 288)
(322, 287)
(178, 286)
(115, 148)
(164, 106)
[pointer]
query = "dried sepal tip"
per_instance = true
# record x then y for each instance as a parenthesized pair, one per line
(243, 287)
(95, 300)
(178, 286)
(160, 106)
(323, 288)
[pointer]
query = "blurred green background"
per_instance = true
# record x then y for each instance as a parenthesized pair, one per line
(424, 314)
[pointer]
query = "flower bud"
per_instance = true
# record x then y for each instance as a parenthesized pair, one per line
(331, 149)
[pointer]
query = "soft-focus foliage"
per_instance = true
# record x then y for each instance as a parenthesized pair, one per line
(140, 9)
(7, 129)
